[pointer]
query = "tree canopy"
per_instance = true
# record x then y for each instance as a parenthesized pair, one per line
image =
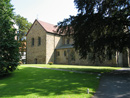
(100, 27)
(23, 27)
(9, 51)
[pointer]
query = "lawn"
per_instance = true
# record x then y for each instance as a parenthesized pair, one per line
(30, 82)
(94, 69)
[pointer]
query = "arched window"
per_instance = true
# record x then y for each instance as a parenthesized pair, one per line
(32, 41)
(39, 41)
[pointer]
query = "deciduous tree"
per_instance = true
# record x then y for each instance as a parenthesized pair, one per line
(23, 27)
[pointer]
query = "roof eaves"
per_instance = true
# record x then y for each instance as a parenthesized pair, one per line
(67, 46)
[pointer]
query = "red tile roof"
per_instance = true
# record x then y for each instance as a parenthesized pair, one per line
(48, 27)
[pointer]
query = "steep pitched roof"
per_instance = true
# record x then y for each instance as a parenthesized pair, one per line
(48, 27)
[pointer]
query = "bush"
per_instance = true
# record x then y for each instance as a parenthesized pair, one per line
(50, 63)
(20, 62)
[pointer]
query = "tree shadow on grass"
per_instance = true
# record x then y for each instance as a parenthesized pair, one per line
(45, 82)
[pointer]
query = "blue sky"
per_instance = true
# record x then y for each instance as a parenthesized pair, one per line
(51, 11)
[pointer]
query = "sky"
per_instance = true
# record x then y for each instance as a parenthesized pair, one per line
(51, 11)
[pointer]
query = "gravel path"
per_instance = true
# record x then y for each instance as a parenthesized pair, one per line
(64, 70)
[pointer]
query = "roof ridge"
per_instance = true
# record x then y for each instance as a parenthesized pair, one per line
(48, 26)
(44, 22)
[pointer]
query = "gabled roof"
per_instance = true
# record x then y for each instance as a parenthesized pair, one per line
(50, 28)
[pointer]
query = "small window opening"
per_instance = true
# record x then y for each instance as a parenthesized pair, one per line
(64, 53)
(39, 41)
(32, 41)
(58, 53)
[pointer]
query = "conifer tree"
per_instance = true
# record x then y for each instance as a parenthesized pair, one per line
(9, 51)
(101, 27)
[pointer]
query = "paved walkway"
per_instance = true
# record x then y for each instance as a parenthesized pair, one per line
(64, 70)
(115, 85)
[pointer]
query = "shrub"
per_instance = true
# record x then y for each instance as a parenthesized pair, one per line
(20, 62)
(50, 63)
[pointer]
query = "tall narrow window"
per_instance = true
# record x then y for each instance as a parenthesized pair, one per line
(39, 41)
(64, 53)
(32, 41)
(58, 53)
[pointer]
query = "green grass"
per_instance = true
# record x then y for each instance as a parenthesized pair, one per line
(95, 69)
(28, 82)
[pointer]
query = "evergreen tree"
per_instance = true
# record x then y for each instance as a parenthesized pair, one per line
(9, 51)
(101, 27)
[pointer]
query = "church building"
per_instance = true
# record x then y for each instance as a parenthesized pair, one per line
(45, 45)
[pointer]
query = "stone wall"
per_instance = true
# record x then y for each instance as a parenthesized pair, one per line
(73, 58)
(52, 42)
(49, 48)
(61, 58)
(58, 41)
(36, 53)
